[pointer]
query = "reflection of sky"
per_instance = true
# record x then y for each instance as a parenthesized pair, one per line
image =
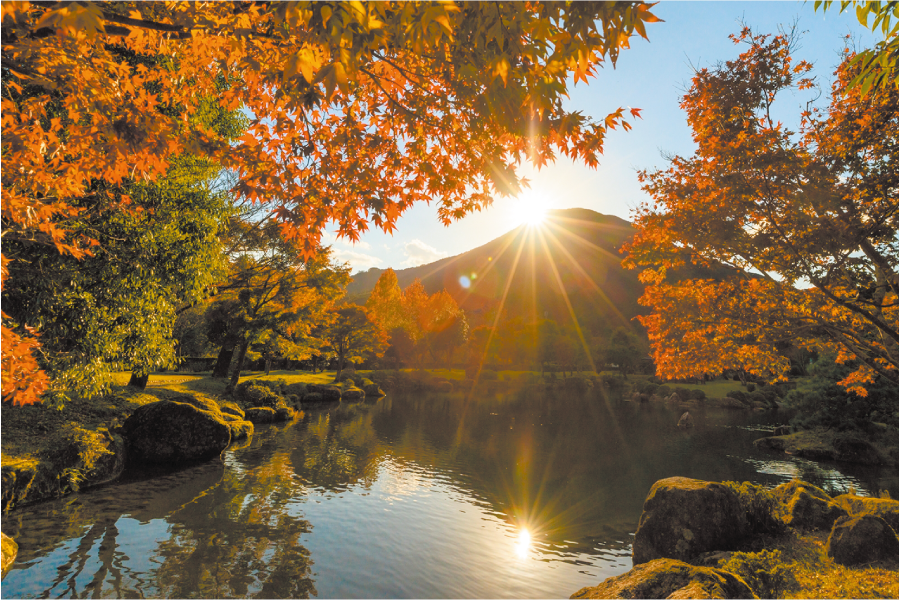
(833, 482)
(438, 534)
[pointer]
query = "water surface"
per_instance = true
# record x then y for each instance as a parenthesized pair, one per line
(407, 496)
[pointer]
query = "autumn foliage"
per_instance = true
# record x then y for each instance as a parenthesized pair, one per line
(356, 110)
(799, 228)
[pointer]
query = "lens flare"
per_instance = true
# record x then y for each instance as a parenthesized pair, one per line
(523, 545)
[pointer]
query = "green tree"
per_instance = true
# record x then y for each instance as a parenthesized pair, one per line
(352, 334)
(114, 310)
(627, 351)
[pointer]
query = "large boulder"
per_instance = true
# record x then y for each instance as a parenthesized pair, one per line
(256, 394)
(241, 429)
(802, 505)
(353, 393)
(862, 539)
(261, 415)
(684, 517)
(372, 390)
(327, 393)
(686, 421)
(885, 508)
(668, 578)
(10, 549)
(175, 431)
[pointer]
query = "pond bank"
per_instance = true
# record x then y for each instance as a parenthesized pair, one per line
(704, 539)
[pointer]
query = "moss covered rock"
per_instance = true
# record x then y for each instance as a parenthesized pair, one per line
(802, 505)
(261, 415)
(684, 518)
(176, 431)
(240, 428)
(353, 393)
(327, 393)
(668, 578)
(256, 394)
(862, 539)
(9, 549)
(372, 390)
(885, 508)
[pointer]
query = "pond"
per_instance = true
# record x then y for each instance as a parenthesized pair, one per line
(407, 496)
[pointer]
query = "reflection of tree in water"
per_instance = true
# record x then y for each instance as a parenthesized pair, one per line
(229, 533)
(237, 539)
(338, 449)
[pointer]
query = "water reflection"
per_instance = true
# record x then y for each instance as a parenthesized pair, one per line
(409, 496)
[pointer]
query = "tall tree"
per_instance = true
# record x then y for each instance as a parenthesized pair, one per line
(351, 334)
(807, 224)
(114, 310)
(385, 301)
(358, 110)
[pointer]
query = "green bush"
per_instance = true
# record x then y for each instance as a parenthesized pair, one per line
(739, 396)
(256, 394)
(664, 391)
(295, 389)
(649, 389)
(345, 375)
(697, 394)
(764, 571)
(751, 387)
(683, 393)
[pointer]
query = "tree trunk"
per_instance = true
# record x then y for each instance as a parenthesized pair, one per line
(340, 367)
(223, 361)
(236, 374)
(139, 380)
(268, 364)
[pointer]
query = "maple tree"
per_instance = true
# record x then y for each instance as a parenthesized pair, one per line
(874, 66)
(357, 110)
(802, 227)
(274, 297)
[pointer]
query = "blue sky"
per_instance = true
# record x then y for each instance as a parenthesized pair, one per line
(651, 76)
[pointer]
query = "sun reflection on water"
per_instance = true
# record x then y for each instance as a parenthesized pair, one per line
(523, 545)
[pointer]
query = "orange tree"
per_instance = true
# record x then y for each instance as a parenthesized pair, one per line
(805, 223)
(357, 110)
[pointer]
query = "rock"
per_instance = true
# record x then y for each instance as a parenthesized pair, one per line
(668, 578)
(857, 506)
(312, 398)
(10, 549)
(686, 421)
(862, 539)
(256, 394)
(353, 393)
(284, 413)
(821, 444)
(261, 415)
(230, 408)
(674, 398)
(782, 430)
(684, 517)
(372, 390)
(802, 505)
(171, 432)
(329, 393)
(240, 428)
(727, 403)
(636, 397)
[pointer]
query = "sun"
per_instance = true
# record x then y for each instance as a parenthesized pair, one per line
(531, 208)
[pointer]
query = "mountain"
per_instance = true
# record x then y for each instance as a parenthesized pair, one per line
(569, 264)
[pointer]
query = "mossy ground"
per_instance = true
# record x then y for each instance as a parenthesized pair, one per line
(816, 575)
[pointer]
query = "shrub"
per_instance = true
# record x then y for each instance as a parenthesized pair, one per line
(649, 389)
(664, 391)
(697, 394)
(739, 395)
(295, 389)
(683, 393)
(763, 571)
(256, 394)
(345, 375)
(751, 387)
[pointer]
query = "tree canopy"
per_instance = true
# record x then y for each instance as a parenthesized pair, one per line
(805, 224)
(356, 110)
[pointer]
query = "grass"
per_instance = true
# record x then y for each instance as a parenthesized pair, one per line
(818, 576)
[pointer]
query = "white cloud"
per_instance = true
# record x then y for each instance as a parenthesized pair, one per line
(420, 253)
(358, 261)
